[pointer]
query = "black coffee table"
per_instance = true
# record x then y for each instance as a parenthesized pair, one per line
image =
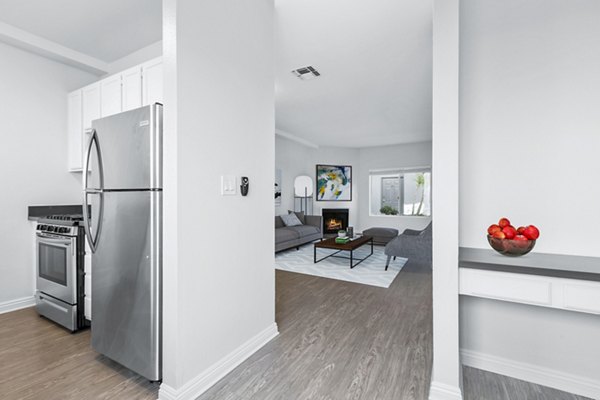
(350, 246)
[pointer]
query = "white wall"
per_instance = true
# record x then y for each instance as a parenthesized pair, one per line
(33, 156)
(295, 159)
(387, 157)
(341, 156)
(137, 57)
(219, 290)
(558, 340)
(446, 372)
(530, 126)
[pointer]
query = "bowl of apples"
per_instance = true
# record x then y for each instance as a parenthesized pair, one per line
(508, 241)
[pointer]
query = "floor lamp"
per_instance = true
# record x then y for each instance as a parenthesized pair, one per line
(303, 189)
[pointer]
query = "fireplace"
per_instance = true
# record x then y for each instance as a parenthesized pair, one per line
(334, 219)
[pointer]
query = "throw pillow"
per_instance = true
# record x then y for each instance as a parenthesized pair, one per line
(300, 216)
(290, 220)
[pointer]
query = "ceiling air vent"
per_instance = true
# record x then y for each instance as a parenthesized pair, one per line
(306, 73)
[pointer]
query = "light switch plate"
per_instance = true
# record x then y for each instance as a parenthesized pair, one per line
(228, 185)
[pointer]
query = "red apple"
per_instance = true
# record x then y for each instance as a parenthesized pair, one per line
(520, 230)
(531, 232)
(503, 222)
(499, 235)
(521, 238)
(493, 228)
(509, 231)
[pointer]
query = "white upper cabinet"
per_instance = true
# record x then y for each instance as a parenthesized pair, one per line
(132, 88)
(74, 130)
(110, 96)
(152, 78)
(91, 104)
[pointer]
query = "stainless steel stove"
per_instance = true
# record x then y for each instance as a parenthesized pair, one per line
(60, 252)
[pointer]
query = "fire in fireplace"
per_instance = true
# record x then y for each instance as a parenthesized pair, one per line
(333, 224)
(334, 219)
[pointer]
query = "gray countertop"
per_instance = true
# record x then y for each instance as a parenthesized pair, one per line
(555, 265)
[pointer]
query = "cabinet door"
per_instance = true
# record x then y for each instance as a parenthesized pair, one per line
(132, 88)
(75, 130)
(110, 96)
(91, 105)
(152, 78)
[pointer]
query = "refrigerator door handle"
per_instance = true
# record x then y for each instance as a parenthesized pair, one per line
(93, 240)
(86, 163)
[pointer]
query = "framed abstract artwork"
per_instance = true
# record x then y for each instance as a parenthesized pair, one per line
(334, 182)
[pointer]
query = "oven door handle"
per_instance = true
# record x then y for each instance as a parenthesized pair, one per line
(93, 240)
(66, 243)
(49, 239)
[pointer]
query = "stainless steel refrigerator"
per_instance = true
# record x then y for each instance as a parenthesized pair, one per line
(122, 193)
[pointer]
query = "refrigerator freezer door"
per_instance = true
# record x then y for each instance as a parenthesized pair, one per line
(127, 282)
(130, 144)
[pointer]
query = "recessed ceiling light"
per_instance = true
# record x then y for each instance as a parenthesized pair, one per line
(305, 73)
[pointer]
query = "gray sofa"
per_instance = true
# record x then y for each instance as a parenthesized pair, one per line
(411, 244)
(287, 237)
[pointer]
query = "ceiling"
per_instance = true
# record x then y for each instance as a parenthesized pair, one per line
(104, 29)
(375, 60)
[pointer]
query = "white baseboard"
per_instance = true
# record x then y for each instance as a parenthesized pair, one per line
(575, 384)
(201, 383)
(441, 391)
(14, 305)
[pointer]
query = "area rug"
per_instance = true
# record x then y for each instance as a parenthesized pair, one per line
(369, 272)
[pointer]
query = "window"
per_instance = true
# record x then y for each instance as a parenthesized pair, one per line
(400, 192)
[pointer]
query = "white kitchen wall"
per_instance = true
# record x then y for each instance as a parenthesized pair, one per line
(33, 156)
(388, 157)
(219, 277)
(530, 134)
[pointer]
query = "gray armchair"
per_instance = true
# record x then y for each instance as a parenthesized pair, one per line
(410, 244)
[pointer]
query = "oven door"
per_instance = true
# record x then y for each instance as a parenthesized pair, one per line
(56, 264)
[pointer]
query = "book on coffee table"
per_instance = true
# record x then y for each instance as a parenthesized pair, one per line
(342, 240)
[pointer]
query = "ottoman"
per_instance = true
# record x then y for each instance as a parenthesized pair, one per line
(381, 235)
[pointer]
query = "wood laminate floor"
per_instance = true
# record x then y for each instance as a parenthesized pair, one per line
(483, 385)
(340, 340)
(40, 360)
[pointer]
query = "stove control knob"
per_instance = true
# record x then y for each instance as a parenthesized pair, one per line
(50, 229)
(38, 227)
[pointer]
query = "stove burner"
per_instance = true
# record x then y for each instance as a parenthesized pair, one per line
(61, 220)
